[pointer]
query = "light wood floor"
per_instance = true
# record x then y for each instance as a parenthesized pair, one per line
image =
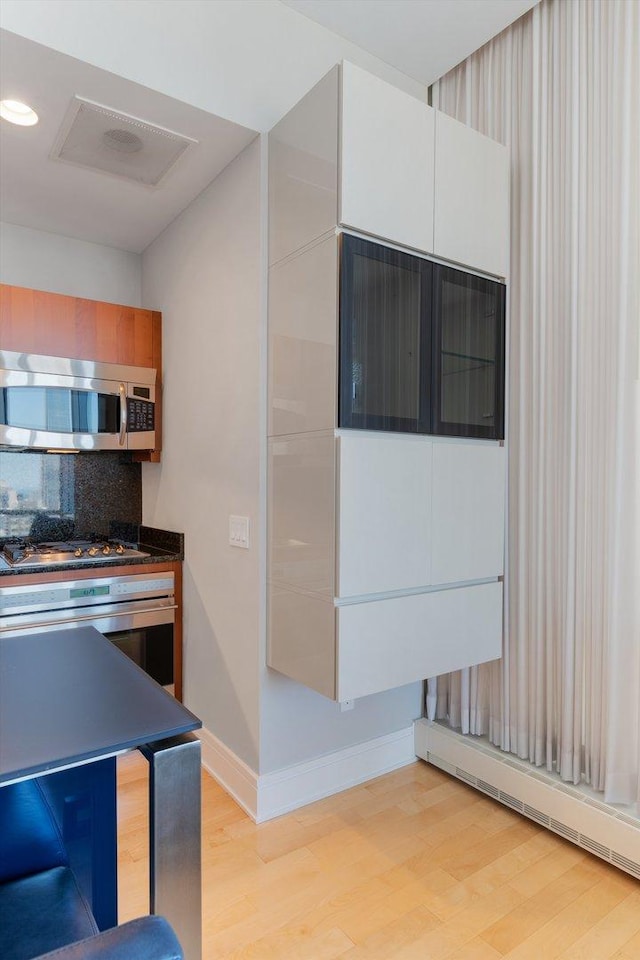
(412, 866)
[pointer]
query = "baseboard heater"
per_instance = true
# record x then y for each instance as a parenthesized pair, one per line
(586, 821)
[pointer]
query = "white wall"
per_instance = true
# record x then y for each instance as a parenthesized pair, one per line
(203, 273)
(246, 60)
(298, 724)
(50, 261)
(207, 274)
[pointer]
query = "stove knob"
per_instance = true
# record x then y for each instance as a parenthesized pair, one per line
(92, 551)
(106, 549)
(77, 552)
(119, 548)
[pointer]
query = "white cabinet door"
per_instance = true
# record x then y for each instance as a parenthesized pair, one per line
(471, 216)
(467, 533)
(303, 333)
(384, 513)
(301, 496)
(301, 642)
(386, 161)
(303, 170)
(387, 643)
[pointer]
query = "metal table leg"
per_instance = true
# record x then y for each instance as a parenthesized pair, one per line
(174, 840)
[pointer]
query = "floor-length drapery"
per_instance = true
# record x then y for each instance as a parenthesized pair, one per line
(560, 88)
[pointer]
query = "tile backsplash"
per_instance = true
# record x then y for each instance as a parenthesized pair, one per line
(53, 496)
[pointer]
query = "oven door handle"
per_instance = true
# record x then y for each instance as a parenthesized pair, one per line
(71, 621)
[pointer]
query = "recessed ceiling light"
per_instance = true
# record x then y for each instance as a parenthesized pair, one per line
(16, 112)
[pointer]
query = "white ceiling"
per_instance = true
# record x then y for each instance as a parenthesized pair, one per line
(246, 60)
(422, 38)
(60, 198)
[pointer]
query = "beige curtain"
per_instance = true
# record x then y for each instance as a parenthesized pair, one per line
(561, 88)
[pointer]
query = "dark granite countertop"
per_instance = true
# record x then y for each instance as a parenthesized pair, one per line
(163, 546)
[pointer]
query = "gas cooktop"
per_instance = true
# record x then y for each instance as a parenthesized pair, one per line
(25, 553)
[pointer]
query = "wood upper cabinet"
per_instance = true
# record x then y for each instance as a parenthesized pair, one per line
(52, 324)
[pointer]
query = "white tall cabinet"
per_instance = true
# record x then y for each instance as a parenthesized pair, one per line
(385, 549)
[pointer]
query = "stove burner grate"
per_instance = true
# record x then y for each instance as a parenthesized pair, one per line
(27, 553)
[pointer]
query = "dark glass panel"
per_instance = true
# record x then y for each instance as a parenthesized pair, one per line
(151, 648)
(383, 295)
(468, 355)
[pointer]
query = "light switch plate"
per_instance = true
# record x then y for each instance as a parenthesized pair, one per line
(239, 532)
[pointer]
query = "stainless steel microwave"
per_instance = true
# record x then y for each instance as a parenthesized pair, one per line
(61, 404)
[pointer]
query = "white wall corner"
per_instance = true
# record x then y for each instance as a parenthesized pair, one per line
(273, 794)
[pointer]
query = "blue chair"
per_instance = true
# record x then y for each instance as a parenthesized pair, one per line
(43, 911)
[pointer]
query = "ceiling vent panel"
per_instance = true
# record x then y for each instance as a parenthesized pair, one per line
(99, 138)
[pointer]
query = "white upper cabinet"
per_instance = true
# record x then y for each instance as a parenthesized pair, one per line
(358, 152)
(386, 161)
(354, 151)
(471, 213)
(303, 170)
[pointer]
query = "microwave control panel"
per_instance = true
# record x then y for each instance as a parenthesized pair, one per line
(140, 415)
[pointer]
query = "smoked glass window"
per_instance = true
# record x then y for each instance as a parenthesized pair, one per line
(59, 410)
(382, 343)
(468, 355)
(421, 345)
(151, 648)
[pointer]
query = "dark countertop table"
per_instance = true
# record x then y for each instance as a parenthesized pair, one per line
(70, 698)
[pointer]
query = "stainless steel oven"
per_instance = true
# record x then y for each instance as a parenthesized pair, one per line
(136, 612)
(55, 403)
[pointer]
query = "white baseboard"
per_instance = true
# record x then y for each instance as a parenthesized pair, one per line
(293, 787)
(272, 794)
(232, 773)
(585, 820)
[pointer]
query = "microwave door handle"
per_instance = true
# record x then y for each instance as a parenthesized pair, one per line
(123, 414)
